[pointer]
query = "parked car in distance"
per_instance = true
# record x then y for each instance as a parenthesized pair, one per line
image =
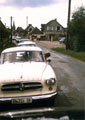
(24, 39)
(26, 77)
(18, 40)
(27, 43)
(62, 40)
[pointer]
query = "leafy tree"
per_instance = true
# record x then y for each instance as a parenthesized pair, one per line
(19, 31)
(4, 32)
(77, 30)
(4, 35)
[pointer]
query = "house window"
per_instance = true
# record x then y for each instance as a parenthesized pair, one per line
(58, 28)
(51, 27)
(48, 28)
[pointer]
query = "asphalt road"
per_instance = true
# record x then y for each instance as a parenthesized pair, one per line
(71, 79)
(70, 100)
(70, 74)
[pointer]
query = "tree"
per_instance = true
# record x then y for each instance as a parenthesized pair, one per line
(77, 30)
(20, 31)
(4, 35)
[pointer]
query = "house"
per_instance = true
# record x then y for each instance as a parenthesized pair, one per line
(53, 30)
(35, 34)
(29, 29)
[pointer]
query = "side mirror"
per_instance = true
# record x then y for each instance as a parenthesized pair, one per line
(46, 57)
(49, 60)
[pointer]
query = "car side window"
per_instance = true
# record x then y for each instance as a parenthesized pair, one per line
(9, 57)
(36, 56)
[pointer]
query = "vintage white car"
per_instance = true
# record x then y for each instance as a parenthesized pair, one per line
(26, 76)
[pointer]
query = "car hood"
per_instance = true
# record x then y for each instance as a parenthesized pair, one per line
(24, 71)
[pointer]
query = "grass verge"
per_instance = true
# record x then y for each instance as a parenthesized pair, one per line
(77, 55)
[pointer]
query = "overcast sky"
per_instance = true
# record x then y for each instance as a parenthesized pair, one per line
(38, 11)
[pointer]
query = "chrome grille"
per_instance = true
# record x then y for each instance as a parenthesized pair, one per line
(21, 86)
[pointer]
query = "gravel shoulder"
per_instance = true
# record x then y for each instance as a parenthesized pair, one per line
(50, 44)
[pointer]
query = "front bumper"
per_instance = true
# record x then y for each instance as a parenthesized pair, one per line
(34, 98)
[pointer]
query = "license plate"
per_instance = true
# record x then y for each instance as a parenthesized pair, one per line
(22, 100)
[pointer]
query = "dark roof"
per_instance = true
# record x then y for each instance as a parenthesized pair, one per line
(36, 31)
(50, 22)
(28, 27)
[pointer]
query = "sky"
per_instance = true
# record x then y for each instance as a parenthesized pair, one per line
(36, 12)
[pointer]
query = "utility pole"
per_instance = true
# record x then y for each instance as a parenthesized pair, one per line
(68, 22)
(1, 42)
(0, 30)
(26, 21)
(11, 30)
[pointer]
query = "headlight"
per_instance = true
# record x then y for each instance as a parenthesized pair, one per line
(50, 81)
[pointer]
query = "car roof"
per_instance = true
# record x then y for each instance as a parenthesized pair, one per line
(24, 39)
(26, 42)
(24, 48)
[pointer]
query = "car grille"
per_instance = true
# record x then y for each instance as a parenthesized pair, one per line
(21, 86)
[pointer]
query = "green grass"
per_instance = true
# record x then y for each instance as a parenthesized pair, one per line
(77, 55)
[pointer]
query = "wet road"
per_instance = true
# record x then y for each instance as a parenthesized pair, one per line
(71, 90)
(71, 79)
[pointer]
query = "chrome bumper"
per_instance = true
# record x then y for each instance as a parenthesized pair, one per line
(34, 98)
(25, 113)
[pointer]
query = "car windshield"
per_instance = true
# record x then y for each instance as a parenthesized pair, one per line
(23, 56)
